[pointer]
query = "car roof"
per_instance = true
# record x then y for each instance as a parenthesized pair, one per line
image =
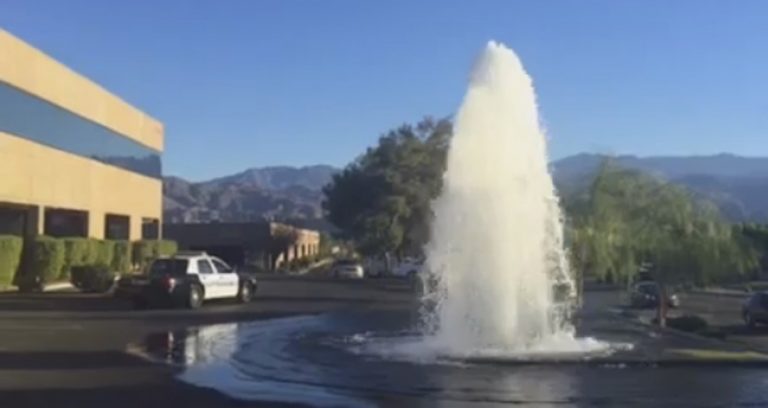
(188, 257)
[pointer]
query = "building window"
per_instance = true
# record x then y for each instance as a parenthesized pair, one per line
(65, 223)
(35, 119)
(13, 220)
(117, 227)
(150, 228)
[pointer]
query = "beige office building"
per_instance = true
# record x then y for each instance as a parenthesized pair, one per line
(75, 160)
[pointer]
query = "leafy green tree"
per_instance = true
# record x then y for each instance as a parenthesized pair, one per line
(633, 219)
(382, 200)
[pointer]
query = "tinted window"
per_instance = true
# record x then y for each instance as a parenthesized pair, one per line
(221, 267)
(204, 266)
(117, 227)
(40, 121)
(173, 267)
(150, 228)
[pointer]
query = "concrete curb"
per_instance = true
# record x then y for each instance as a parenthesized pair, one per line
(688, 335)
(58, 287)
(733, 294)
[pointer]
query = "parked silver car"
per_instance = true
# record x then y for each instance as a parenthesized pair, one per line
(754, 311)
(347, 268)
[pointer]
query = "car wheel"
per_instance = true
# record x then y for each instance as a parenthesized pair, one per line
(195, 299)
(245, 294)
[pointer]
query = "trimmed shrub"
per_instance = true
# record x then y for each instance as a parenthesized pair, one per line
(77, 251)
(121, 259)
(166, 247)
(688, 323)
(104, 252)
(48, 256)
(93, 278)
(143, 252)
(10, 258)
(147, 250)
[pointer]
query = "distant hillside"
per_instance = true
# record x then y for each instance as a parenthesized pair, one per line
(280, 177)
(278, 193)
(738, 185)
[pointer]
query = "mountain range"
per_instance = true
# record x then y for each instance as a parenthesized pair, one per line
(276, 193)
(737, 185)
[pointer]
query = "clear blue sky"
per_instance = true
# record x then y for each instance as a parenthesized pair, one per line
(243, 83)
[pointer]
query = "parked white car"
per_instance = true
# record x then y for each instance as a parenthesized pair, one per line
(347, 268)
(186, 279)
(408, 268)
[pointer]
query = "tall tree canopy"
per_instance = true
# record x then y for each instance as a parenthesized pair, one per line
(627, 222)
(382, 199)
(632, 221)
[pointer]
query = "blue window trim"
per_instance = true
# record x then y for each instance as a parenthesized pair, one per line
(33, 118)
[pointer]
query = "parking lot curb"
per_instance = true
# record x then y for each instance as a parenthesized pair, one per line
(638, 319)
(58, 287)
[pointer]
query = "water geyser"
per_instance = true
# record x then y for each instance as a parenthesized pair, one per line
(496, 252)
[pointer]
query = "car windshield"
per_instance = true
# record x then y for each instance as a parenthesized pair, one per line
(172, 267)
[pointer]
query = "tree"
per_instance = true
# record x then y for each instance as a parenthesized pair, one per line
(632, 219)
(382, 200)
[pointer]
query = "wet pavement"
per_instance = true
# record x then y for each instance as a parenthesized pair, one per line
(317, 360)
(300, 343)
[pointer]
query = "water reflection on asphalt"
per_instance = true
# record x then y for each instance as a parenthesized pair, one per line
(309, 360)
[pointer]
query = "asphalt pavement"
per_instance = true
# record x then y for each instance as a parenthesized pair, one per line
(723, 313)
(70, 349)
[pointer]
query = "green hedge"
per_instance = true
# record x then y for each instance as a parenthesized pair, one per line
(166, 247)
(77, 251)
(48, 257)
(10, 258)
(145, 251)
(93, 278)
(121, 259)
(104, 253)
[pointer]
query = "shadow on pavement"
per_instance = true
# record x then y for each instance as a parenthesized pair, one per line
(742, 330)
(69, 360)
(60, 301)
(151, 395)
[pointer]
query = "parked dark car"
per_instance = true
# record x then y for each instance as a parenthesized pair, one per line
(646, 295)
(754, 311)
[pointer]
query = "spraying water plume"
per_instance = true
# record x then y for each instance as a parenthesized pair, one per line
(496, 261)
(497, 247)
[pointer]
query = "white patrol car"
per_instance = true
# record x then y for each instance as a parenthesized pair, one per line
(187, 279)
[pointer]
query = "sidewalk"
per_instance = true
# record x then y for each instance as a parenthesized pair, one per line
(740, 290)
(51, 287)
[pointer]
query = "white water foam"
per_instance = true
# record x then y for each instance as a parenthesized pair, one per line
(497, 250)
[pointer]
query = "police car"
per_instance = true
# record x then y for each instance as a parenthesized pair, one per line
(187, 279)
